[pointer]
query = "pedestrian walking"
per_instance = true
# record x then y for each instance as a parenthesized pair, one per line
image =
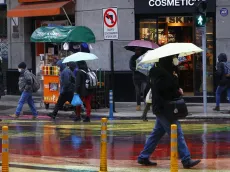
(83, 89)
(164, 89)
(139, 79)
(67, 84)
(26, 88)
(223, 79)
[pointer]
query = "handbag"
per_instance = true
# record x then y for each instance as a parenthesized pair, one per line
(149, 97)
(179, 108)
(76, 101)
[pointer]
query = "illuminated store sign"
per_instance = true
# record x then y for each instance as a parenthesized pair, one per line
(171, 3)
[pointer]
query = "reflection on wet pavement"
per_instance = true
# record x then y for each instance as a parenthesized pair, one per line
(67, 146)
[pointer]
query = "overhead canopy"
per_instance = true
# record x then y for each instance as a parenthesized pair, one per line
(63, 34)
(37, 9)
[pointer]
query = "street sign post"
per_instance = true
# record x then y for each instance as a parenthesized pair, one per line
(201, 22)
(110, 20)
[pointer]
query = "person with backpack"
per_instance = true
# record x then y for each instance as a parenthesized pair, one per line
(27, 85)
(223, 79)
(86, 81)
(67, 84)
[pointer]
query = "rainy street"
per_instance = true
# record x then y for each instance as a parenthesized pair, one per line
(63, 145)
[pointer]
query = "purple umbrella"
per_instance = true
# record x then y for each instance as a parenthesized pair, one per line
(141, 43)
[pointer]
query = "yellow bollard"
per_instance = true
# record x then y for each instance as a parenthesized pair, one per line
(103, 163)
(5, 149)
(174, 149)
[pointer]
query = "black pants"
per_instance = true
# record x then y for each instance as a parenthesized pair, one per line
(64, 97)
(139, 88)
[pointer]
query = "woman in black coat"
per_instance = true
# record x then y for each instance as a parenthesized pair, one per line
(84, 93)
(164, 89)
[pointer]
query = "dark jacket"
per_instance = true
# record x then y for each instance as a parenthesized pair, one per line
(25, 81)
(220, 73)
(80, 80)
(67, 81)
(164, 88)
(132, 65)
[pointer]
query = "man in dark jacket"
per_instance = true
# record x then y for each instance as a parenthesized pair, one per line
(139, 79)
(164, 89)
(222, 80)
(67, 83)
(84, 93)
(25, 86)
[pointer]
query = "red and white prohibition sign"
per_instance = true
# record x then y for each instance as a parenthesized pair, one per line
(110, 20)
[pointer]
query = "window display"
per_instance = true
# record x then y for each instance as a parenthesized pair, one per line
(181, 29)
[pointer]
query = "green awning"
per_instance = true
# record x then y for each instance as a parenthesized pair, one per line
(61, 34)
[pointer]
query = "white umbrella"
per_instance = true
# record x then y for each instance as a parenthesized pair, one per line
(183, 49)
(79, 56)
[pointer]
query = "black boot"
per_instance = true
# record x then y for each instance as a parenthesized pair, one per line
(146, 162)
(77, 118)
(217, 108)
(51, 115)
(190, 163)
(87, 119)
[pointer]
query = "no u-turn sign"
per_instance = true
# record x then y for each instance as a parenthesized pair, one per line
(110, 20)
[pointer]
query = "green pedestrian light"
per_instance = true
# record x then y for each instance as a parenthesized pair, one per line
(200, 20)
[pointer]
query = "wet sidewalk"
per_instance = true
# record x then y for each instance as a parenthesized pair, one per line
(124, 110)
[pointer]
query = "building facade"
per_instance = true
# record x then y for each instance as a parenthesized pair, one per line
(157, 21)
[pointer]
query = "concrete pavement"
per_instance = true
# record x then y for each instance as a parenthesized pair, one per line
(124, 110)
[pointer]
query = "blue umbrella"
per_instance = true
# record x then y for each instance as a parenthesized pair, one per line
(143, 67)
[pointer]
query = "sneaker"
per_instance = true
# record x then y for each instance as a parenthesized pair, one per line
(87, 119)
(14, 116)
(138, 108)
(34, 118)
(146, 162)
(217, 108)
(51, 116)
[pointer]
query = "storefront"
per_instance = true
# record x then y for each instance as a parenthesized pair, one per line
(169, 21)
(25, 17)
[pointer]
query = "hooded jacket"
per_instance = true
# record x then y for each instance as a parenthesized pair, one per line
(222, 59)
(25, 81)
(81, 79)
(68, 79)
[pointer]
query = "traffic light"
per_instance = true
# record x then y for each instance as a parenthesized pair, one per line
(200, 18)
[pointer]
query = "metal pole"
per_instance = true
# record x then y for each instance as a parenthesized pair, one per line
(111, 105)
(204, 60)
(112, 71)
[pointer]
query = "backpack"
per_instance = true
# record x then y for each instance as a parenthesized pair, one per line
(227, 68)
(91, 80)
(35, 83)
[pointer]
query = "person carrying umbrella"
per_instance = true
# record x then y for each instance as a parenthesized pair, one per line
(164, 89)
(84, 93)
(140, 47)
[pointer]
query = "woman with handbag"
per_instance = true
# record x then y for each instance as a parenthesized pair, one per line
(165, 92)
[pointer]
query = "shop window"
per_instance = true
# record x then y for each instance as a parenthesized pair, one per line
(209, 56)
(170, 29)
(3, 24)
(148, 30)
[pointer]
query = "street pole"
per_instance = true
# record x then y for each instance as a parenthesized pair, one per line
(204, 60)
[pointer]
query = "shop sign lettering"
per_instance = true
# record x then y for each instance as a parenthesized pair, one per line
(171, 3)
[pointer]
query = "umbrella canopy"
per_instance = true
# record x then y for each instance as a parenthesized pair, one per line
(141, 43)
(143, 67)
(80, 56)
(61, 34)
(183, 49)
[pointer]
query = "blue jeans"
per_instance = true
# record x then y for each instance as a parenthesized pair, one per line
(219, 91)
(163, 126)
(26, 97)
